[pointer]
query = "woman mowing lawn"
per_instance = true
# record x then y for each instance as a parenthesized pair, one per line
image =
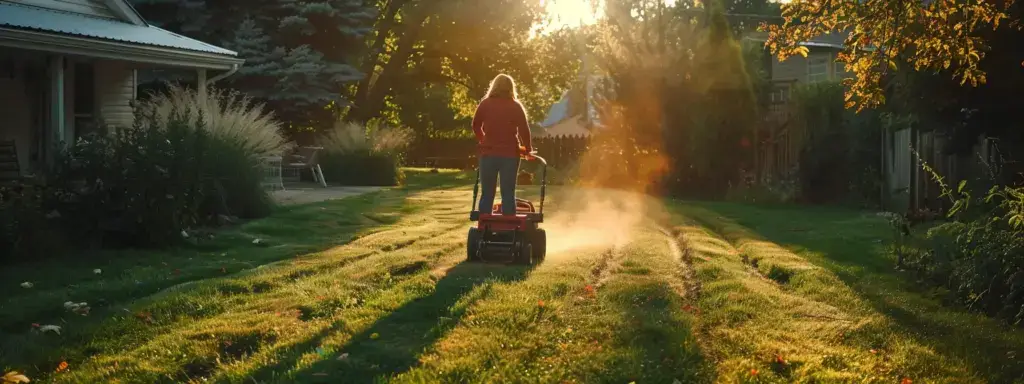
(502, 135)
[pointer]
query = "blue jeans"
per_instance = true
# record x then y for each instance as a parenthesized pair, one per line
(493, 168)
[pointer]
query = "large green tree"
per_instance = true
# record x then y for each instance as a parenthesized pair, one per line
(460, 44)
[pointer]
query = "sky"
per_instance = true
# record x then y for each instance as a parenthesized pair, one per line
(574, 13)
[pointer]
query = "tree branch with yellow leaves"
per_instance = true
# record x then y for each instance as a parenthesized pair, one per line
(926, 35)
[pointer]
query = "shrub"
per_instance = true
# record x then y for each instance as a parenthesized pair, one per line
(26, 227)
(980, 260)
(838, 151)
(241, 130)
(142, 183)
(225, 115)
(364, 155)
(186, 162)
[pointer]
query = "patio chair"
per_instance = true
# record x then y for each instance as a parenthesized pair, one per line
(306, 158)
(272, 179)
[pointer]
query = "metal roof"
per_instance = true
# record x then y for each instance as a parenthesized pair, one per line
(41, 19)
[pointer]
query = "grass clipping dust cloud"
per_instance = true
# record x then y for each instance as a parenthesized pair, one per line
(611, 201)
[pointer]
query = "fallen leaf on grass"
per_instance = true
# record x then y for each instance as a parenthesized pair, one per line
(906, 381)
(79, 308)
(540, 303)
(27, 285)
(63, 366)
(873, 351)
(780, 360)
(144, 316)
(754, 372)
(15, 377)
(50, 328)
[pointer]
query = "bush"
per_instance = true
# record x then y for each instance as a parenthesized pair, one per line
(982, 260)
(225, 115)
(186, 162)
(365, 169)
(839, 152)
(364, 155)
(26, 228)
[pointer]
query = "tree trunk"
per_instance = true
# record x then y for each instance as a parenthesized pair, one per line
(369, 107)
(373, 58)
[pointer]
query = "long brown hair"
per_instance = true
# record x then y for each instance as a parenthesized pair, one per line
(503, 86)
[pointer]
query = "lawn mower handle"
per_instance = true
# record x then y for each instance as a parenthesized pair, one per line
(543, 182)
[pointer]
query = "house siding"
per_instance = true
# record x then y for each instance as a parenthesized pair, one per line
(97, 8)
(795, 67)
(115, 91)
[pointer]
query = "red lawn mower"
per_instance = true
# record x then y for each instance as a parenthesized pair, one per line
(517, 239)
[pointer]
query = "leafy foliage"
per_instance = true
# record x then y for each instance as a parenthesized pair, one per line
(926, 35)
(838, 158)
(25, 228)
(185, 163)
(299, 55)
(679, 95)
(356, 154)
(979, 257)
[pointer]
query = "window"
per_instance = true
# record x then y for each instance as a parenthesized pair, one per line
(817, 69)
(85, 99)
(85, 89)
(780, 95)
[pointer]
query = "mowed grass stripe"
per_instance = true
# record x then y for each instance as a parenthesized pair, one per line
(193, 302)
(769, 315)
(558, 325)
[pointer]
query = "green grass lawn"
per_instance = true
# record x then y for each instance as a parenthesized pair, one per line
(374, 288)
(815, 287)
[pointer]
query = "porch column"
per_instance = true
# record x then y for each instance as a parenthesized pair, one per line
(201, 84)
(57, 113)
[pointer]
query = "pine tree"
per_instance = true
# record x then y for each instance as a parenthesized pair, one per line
(299, 55)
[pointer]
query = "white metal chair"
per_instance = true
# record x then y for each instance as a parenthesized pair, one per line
(306, 158)
(272, 179)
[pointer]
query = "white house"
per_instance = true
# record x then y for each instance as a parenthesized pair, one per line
(573, 117)
(67, 65)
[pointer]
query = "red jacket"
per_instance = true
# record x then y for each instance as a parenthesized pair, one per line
(501, 128)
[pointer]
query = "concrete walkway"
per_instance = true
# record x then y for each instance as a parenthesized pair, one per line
(311, 193)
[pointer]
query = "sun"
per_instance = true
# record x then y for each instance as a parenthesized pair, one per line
(571, 13)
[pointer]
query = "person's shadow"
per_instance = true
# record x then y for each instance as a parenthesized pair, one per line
(394, 343)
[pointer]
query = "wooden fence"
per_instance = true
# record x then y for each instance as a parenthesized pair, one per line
(559, 151)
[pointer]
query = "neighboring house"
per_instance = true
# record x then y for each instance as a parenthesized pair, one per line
(908, 187)
(575, 114)
(819, 65)
(68, 65)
